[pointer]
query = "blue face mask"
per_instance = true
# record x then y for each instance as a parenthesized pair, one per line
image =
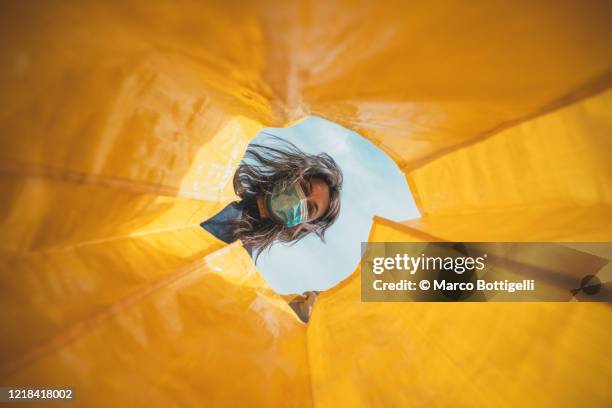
(288, 207)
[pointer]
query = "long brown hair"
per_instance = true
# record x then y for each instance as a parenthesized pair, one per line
(265, 167)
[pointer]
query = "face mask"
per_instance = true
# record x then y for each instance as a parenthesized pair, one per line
(288, 207)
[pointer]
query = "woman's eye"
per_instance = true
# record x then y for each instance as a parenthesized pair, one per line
(306, 187)
(311, 210)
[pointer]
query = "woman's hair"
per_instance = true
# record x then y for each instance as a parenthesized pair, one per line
(264, 168)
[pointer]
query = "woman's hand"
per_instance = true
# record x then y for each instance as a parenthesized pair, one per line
(302, 304)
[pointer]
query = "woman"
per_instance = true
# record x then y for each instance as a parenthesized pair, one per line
(285, 194)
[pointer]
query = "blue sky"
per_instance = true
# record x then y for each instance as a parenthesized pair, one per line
(373, 185)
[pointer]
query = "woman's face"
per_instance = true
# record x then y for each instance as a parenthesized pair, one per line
(317, 193)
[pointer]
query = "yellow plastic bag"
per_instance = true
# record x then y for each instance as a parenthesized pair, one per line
(121, 126)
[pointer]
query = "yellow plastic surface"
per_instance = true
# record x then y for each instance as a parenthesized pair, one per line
(456, 354)
(122, 124)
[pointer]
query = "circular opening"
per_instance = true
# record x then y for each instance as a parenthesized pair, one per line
(373, 185)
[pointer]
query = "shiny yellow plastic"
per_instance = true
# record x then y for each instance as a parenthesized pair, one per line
(122, 124)
(455, 354)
